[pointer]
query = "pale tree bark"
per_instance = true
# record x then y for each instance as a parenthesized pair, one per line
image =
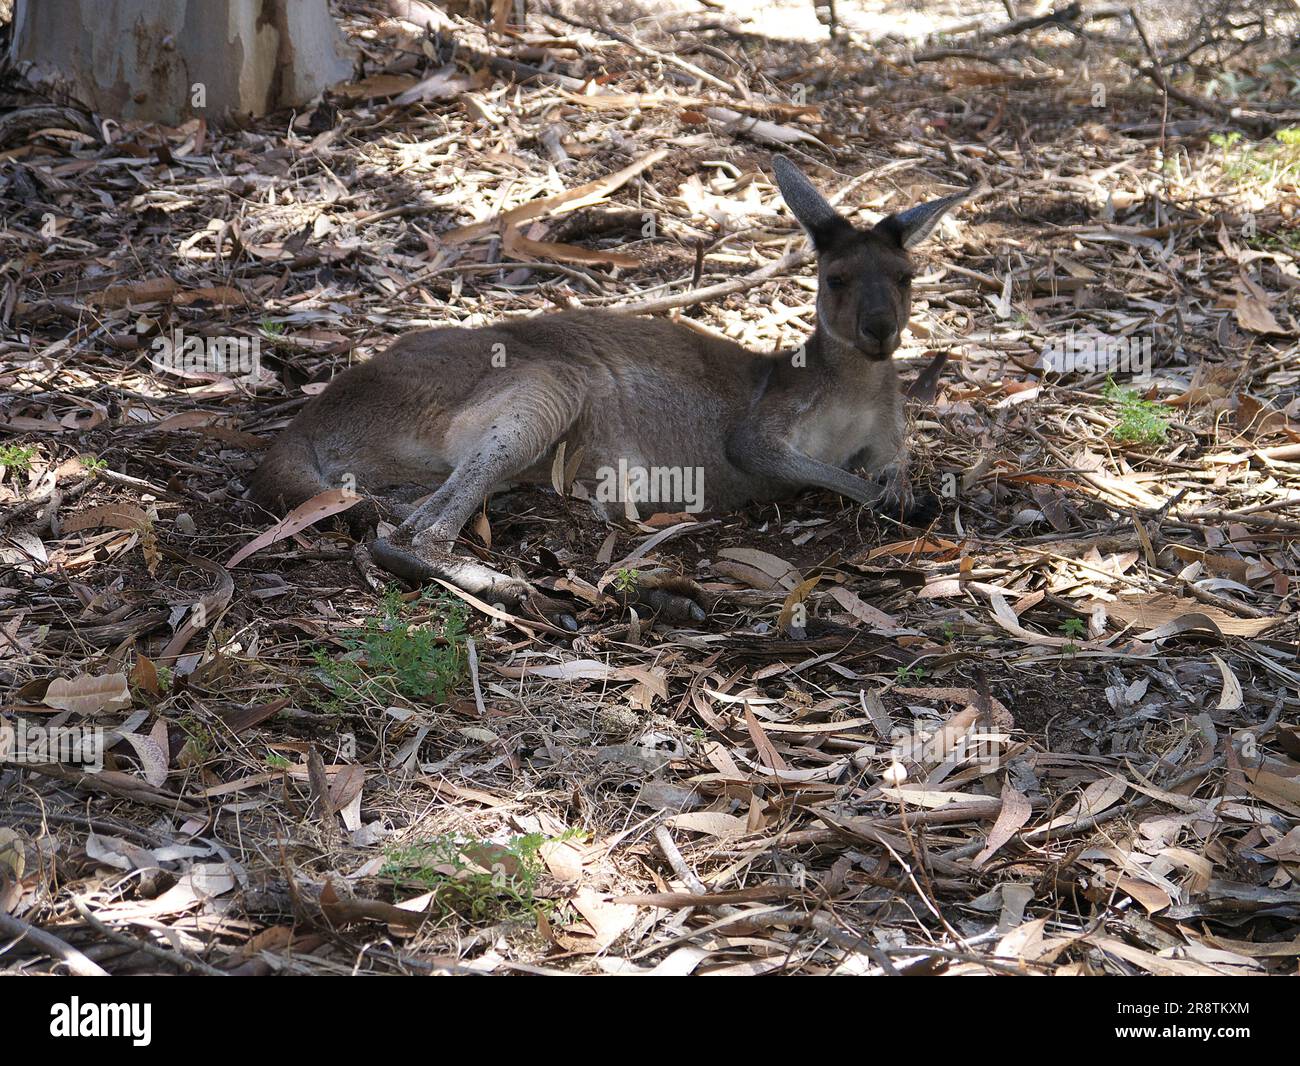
(170, 60)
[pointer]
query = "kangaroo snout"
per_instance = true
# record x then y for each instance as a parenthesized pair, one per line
(877, 335)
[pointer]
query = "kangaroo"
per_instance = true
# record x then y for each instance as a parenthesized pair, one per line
(468, 410)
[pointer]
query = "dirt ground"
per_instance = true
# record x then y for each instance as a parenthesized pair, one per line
(1055, 731)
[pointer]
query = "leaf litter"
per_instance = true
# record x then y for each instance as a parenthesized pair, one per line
(1054, 733)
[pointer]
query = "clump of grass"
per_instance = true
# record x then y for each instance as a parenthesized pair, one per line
(16, 457)
(1267, 162)
(392, 657)
(1140, 421)
(476, 879)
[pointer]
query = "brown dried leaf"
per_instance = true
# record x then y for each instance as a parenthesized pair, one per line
(1253, 313)
(89, 694)
(322, 505)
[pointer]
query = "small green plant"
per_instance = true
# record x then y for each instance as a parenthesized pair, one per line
(1140, 421)
(1264, 162)
(199, 741)
(391, 657)
(277, 762)
(1284, 240)
(476, 879)
(275, 329)
(625, 580)
(906, 675)
(16, 457)
(949, 633)
(92, 464)
(1072, 627)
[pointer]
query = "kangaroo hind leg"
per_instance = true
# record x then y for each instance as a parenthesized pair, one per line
(509, 434)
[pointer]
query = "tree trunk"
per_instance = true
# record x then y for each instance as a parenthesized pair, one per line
(170, 60)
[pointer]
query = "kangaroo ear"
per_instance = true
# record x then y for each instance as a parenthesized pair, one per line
(909, 228)
(823, 223)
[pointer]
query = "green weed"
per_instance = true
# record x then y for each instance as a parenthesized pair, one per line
(1140, 421)
(390, 657)
(1265, 162)
(476, 879)
(17, 458)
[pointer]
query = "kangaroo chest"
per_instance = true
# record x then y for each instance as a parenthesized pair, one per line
(834, 429)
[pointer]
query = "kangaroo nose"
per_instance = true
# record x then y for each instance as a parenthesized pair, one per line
(879, 327)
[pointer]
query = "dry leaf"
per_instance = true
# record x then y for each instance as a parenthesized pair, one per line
(609, 920)
(1162, 615)
(517, 244)
(322, 505)
(1230, 699)
(1253, 313)
(711, 823)
(1015, 813)
(582, 196)
(89, 694)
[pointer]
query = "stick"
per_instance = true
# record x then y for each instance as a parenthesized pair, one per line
(78, 963)
(646, 50)
(725, 288)
(1255, 121)
(820, 923)
(176, 958)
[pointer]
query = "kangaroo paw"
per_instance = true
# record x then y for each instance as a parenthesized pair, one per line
(925, 508)
(674, 598)
(900, 503)
(418, 567)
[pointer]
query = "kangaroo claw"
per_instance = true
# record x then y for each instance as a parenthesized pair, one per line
(674, 598)
(400, 562)
(363, 559)
(475, 578)
(925, 508)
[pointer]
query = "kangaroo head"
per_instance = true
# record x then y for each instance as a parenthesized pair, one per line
(864, 291)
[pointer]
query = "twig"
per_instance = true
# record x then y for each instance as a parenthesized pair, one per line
(684, 873)
(99, 825)
(1082, 825)
(174, 957)
(820, 923)
(1255, 121)
(646, 50)
(691, 297)
(78, 963)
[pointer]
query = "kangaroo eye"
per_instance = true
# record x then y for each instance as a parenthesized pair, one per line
(906, 278)
(835, 283)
